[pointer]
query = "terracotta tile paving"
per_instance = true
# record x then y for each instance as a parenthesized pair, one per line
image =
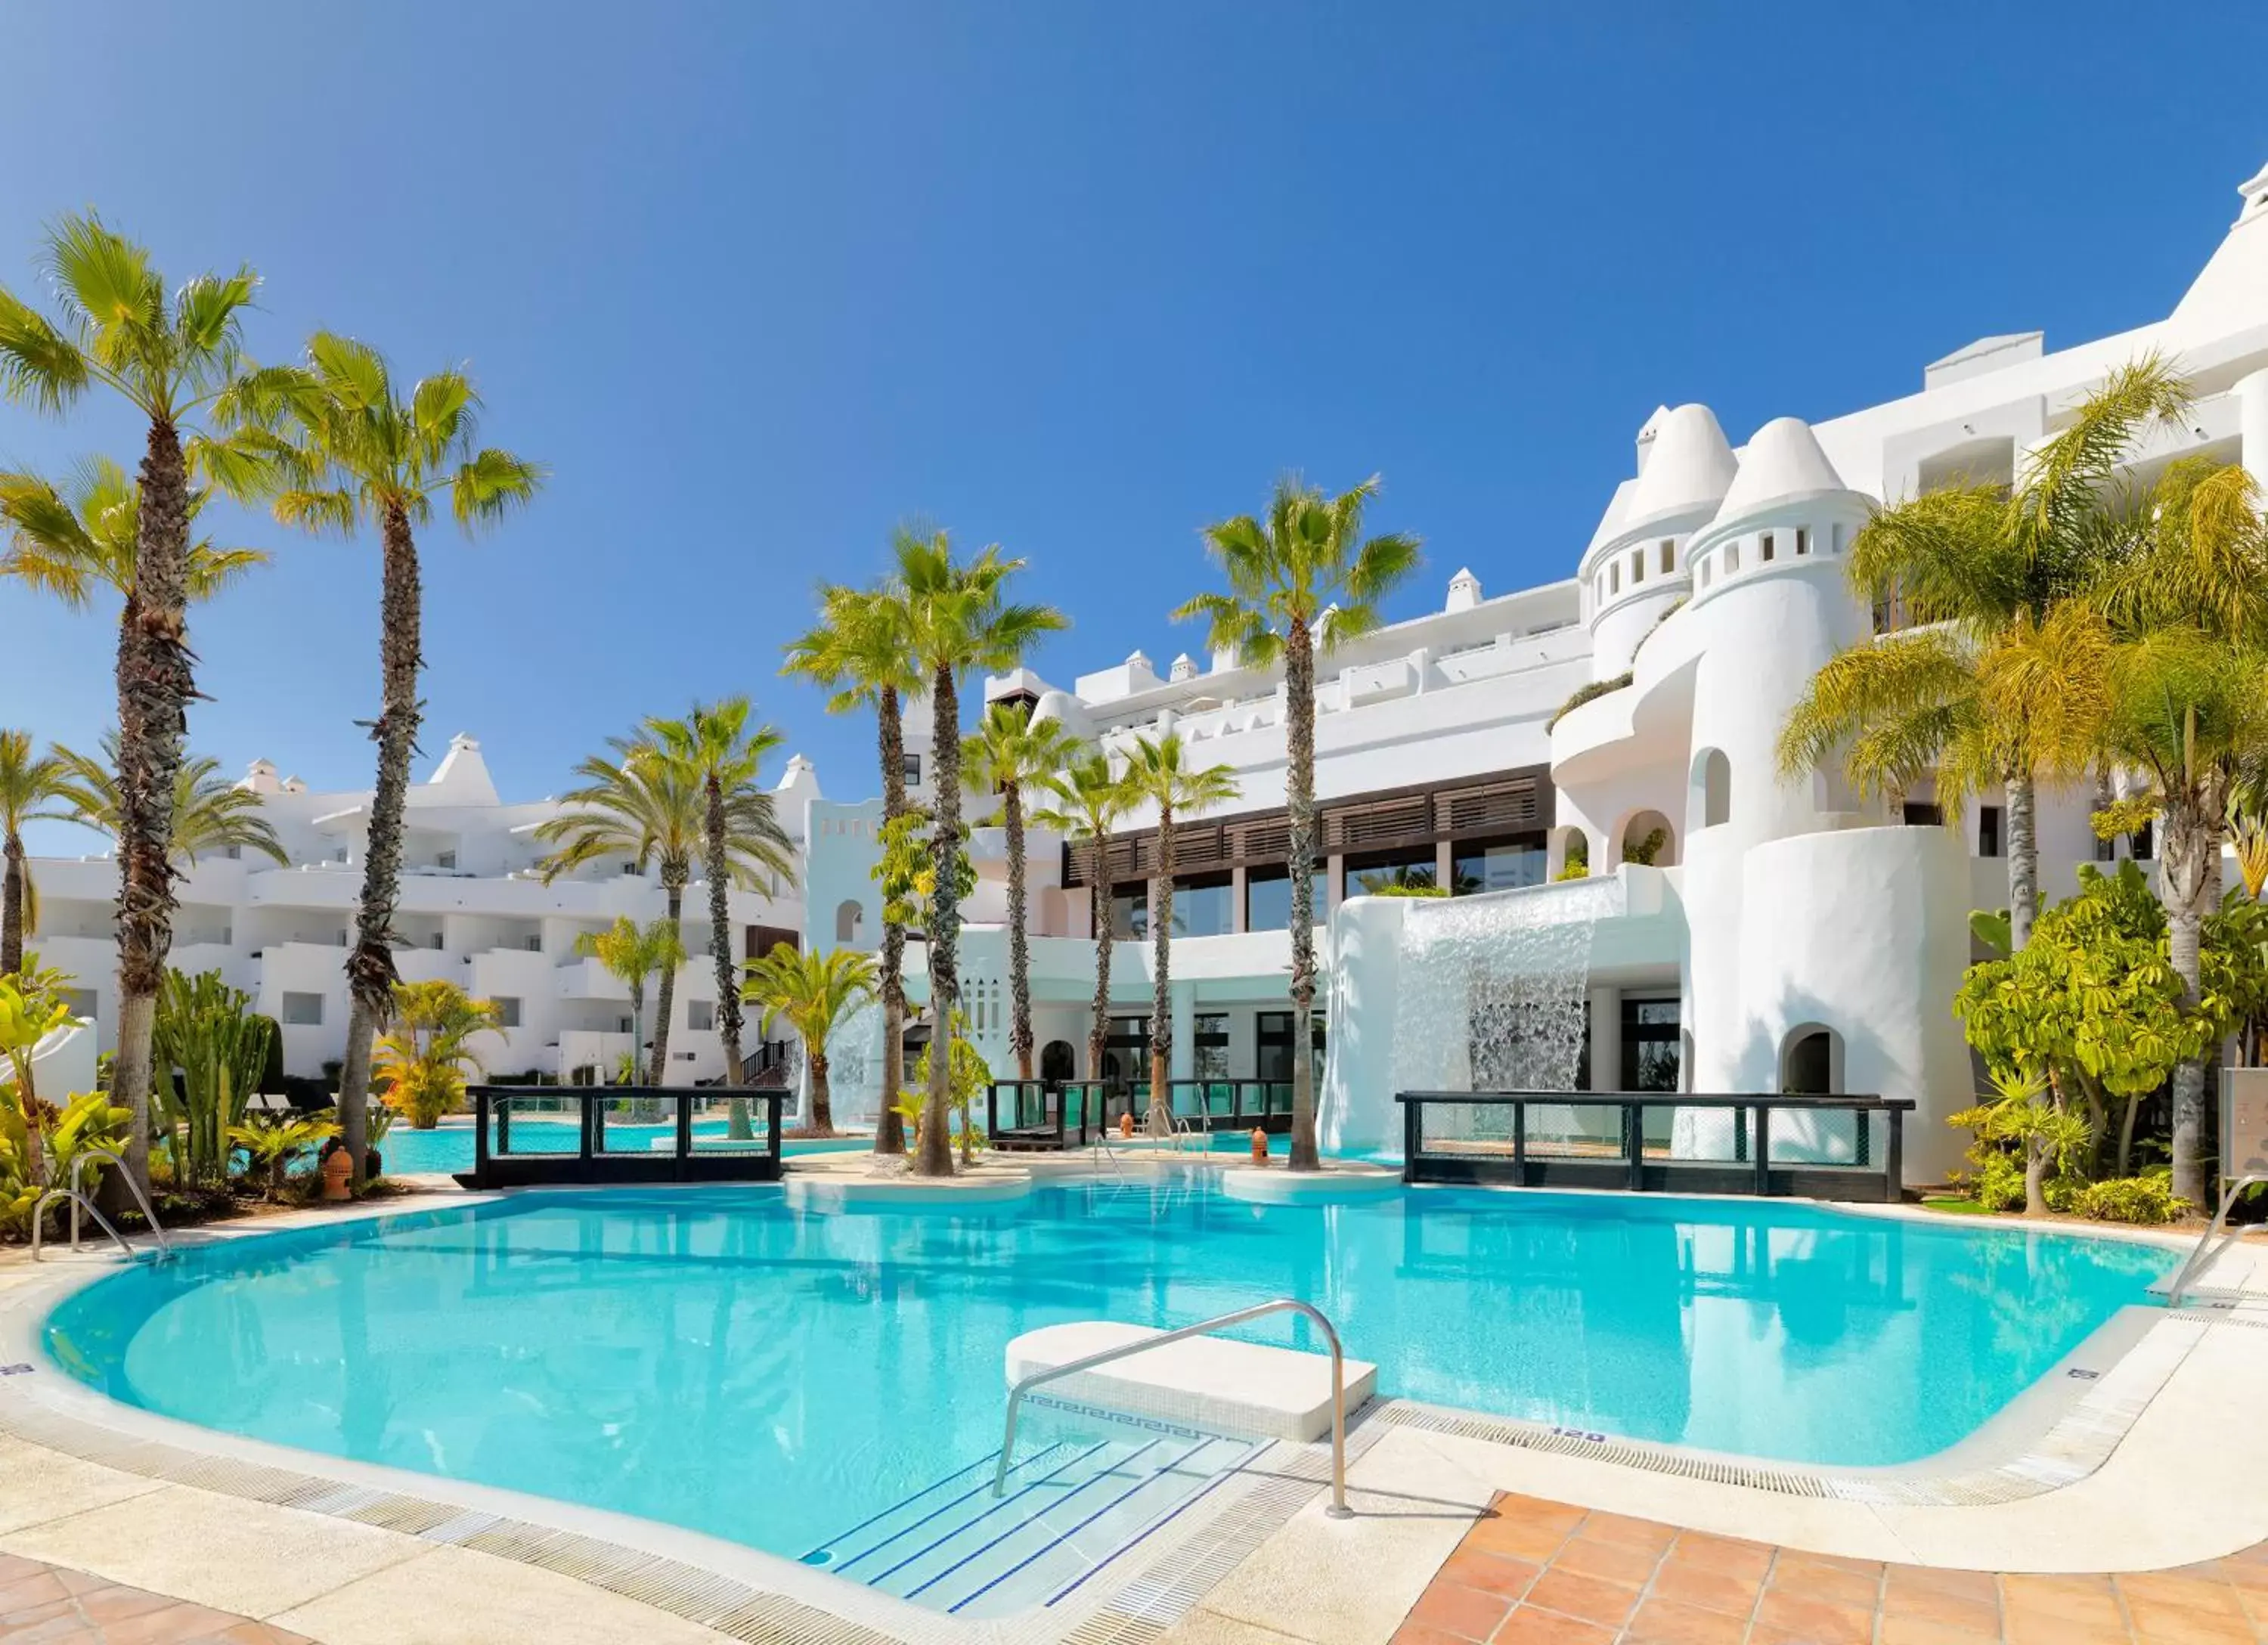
(1539, 1572)
(51, 1605)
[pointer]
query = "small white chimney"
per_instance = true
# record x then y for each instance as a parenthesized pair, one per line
(1464, 591)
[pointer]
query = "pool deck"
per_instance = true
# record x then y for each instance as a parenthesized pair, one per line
(1459, 1539)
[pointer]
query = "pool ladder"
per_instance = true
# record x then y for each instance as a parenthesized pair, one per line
(76, 1194)
(2202, 1257)
(1338, 1510)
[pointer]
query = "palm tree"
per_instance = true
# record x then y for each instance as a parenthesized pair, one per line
(859, 653)
(646, 806)
(631, 953)
(716, 742)
(27, 781)
(957, 619)
(421, 1063)
(1299, 583)
(211, 815)
(1157, 774)
(2187, 602)
(812, 991)
(1983, 571)
(337, 446)
(1009, 752)
(1091, 799)
(175, 359)
(67, 540)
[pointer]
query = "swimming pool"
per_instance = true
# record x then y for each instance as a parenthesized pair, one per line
(719, 1360)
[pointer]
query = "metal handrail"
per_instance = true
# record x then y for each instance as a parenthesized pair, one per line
(2195, 1263)
(1338, 1510)
(77, 1195)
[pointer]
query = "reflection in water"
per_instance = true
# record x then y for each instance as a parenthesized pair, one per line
(716, 1359)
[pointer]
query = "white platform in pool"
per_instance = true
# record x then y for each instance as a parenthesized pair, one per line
(1207, 1382)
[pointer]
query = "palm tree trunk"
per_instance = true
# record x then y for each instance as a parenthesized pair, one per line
(720, 944)
(665, 996)
(2023, 861)
(12, 910)
(1098, 919)
(935, 1157)
(1020, 953)
(2181, 886)
(155, 685)
(889, 1127)
(1162, 969)
(370, 968)
(1299, 802)
(821, 1117)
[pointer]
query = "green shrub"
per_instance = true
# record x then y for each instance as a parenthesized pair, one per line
(1411, 890)
(2148, 1200)
(1583, 694)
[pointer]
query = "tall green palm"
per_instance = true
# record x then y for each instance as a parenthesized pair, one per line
(176, 359)
(2187, 602)
(1159, 773)
(812, 990)
(1008, 754)
(28, 780)
(647, 807)
(859, 652)
(1091, 801)
(631, 953)
(1984, 571)
(720, 747)
(337, 445)
(67, 540)
(958, 618)
(1298, 582)
(211, 815)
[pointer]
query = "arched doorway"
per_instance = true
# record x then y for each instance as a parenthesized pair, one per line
(849, 916)
(1811, 1061)
(1057, 1063)
(1648, 838)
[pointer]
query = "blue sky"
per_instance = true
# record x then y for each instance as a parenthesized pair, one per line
(758, 281)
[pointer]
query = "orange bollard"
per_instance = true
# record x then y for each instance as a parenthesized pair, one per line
(1259, 1145)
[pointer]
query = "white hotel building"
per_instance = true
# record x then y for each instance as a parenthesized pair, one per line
(1783, 937)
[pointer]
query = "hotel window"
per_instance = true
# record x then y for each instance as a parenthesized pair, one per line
(1497, 866)
(1129, 910)
(1922, 813)
(1273, 1038)
(1209, 1055)
(445, 859)
(1203, 906)
(1267, 899)
(1614, 577)
(1765, 548)
(1378, 871)
(1126, 1050)
(507, 1011)
(1669, 557)
(909, 767)
(1650, 1045)
(701, 1015)
(1707, 566)
(1835, 538)
(1803, 539)
(1637, 567)
(303, 1010)
(1732, 558)
(1988, 831)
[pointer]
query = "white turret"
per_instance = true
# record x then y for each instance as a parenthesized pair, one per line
(1634, 570)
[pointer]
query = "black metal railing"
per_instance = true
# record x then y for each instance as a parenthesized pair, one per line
(1819, 1148)
(1210, 1104)
(623, 1133)
(1044, 1113)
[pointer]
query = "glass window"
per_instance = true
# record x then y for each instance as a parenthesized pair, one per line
(1204, 909)
(1650, 1046)
(1210, 1058)
(909, 767)
(1988, 831)
(303, 1010)
(1803, 539)
(1924, 814)
(507, 1011)
(1126, 1048)
(700, 1015)
(1267, 899)
(445, 859)
(1764, 547)
(1638, 566)
(1410, 870)
(1130, 911)
(1273, 1047)
(1500, 866)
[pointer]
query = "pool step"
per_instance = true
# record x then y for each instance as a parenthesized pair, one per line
(1068, 1509)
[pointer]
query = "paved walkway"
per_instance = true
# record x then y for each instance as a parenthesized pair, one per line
(1540, 1572)
(53, 1604)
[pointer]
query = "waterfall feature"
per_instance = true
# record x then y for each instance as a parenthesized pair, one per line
(854, 1065)
(1490, 993)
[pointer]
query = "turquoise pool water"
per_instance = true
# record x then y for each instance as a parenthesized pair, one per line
(715, 1359)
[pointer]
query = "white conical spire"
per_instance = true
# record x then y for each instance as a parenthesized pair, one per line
(1690, 466)
(1782, 460)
